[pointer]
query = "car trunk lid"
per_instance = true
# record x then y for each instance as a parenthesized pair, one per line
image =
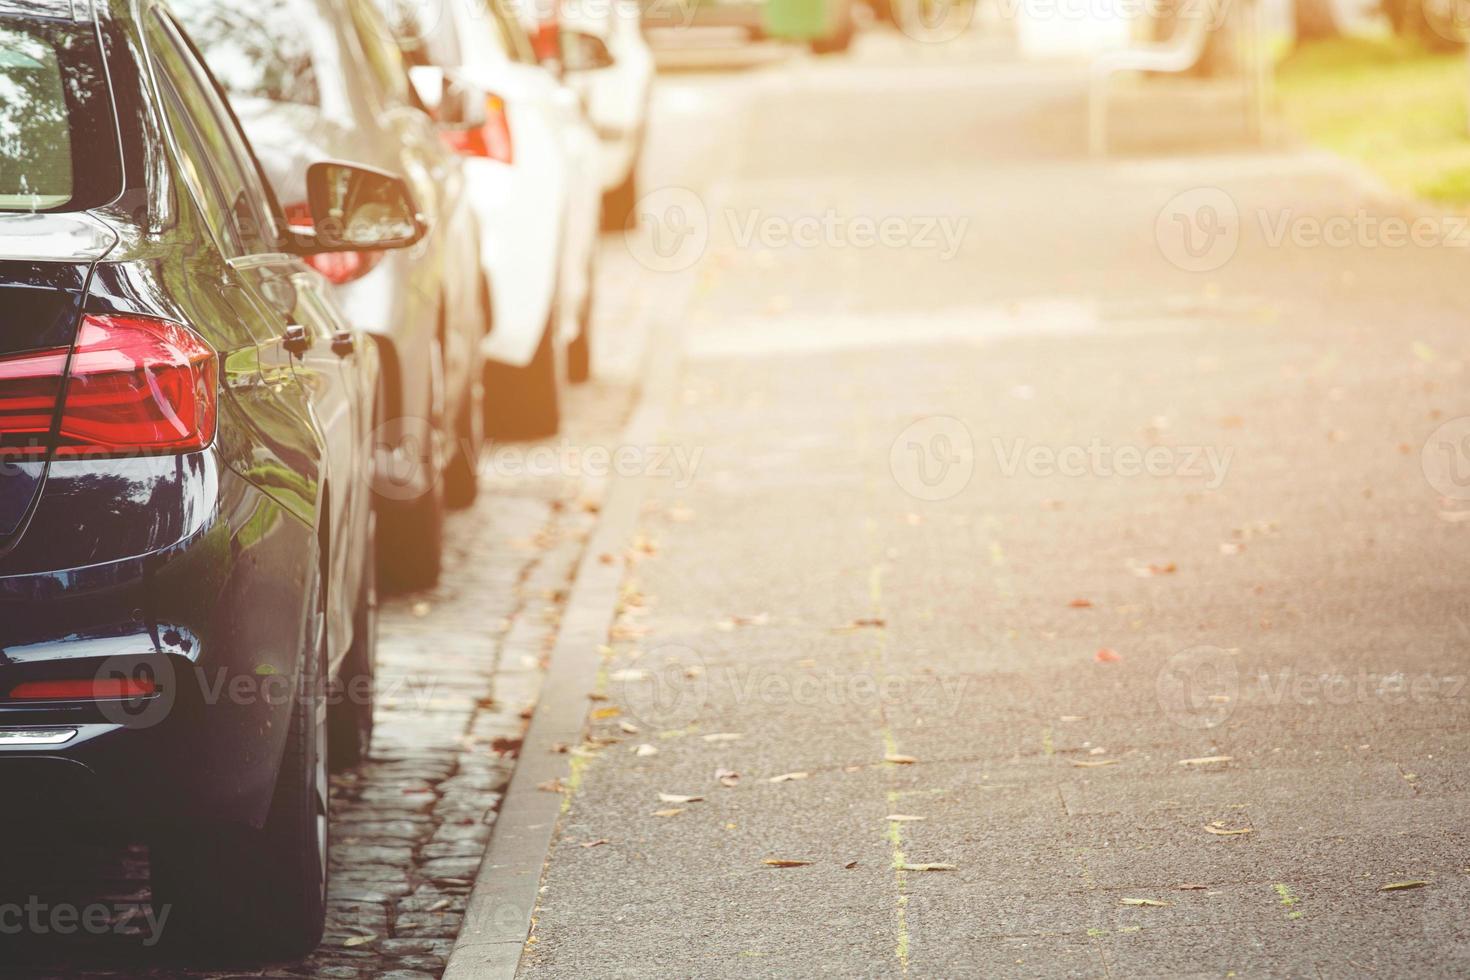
(45, 263)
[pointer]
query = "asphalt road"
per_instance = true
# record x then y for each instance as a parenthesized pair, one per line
(1125, 567)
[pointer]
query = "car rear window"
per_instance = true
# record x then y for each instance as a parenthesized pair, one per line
(260, 49)
(58, 135)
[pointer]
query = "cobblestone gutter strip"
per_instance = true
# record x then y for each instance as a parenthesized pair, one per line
(498, 917)
(460, 671)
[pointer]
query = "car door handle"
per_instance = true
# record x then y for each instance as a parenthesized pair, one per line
(295, 339)
(342, 343)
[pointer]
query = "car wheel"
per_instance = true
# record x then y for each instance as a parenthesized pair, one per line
(618, 203)
(579, 351)
(350, 714)
(462, 478)
(260, 894)
(525, 403)
(411, 532)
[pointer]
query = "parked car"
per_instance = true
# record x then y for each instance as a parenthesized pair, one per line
(616, 95)
(322, 79)
(826, 26)
(531, 160)
(186, 522)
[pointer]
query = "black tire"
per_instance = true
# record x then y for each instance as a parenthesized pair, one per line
(350, 713)
(260, 895)
(618, 203)
(411, 532)
(462, 478)
(525, 403)
(579, 351)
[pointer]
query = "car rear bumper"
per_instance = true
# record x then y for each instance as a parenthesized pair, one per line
(214, 622)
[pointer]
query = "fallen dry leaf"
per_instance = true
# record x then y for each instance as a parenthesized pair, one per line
(850, 865)
(722, 737)
(729, 623)
(900, 760)
(594, 843)
(784, 863)
(1143, 902)
(727, 777)
(787, 777)
(1080, 604)
(675, 798)
(927, 867)
(1206, 760)
(628, 728)
(1220, 830)
(862, 623)
(352, 941)
(1107, 655)
(1400, 886)
(668, 813)
(552, 786)
(645, 750)
(1149, 571)
(901, 817)
(1093, 763)
(1193, 888)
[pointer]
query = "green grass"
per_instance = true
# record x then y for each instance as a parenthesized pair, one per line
(1388, 103)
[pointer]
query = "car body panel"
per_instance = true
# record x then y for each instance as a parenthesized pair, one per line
(617, 96)
(201, 568)
(539, 213)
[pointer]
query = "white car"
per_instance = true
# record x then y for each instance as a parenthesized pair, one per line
(531, 165)
(616, 96)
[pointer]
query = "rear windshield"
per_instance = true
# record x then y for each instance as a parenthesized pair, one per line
(58, 137)
(260, 49)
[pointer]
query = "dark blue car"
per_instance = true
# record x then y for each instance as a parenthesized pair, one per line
(186, 510)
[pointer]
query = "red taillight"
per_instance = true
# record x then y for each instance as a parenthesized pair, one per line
(546, 42)
(491, 141)
(83, 690)
(338, 267)
(30, 389)
(136, 386)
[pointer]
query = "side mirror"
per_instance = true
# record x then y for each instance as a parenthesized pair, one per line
(430, 84)
(581, 51)
(357, 209)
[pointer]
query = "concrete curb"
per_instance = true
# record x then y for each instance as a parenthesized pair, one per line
(498, 919)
